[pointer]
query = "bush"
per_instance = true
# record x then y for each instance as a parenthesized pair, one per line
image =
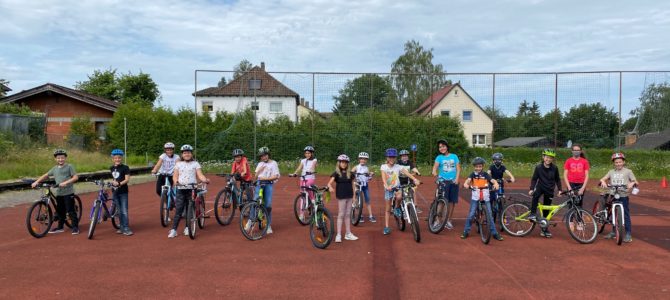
(82, 133)
(15, 109)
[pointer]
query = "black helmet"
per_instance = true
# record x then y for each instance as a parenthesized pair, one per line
(478, 161)
(238, 152)
(442, 142)
(263, 150)
(403, 152)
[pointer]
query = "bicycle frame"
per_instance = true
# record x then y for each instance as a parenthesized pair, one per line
(103, 198)
(171, 191)
(404, 190)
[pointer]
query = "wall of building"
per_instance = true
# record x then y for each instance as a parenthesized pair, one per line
(237, 104)
(456, 101)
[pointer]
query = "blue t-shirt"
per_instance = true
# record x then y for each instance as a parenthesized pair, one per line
(447, 166)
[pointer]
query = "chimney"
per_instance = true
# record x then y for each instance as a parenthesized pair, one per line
(302, 101)
(307, 104)
(263, 65)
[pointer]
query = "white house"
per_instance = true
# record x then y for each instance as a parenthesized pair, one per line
(453, 101)
(274, 99)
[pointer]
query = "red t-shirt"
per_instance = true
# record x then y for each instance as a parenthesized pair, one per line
(576, 169)
(237, 168)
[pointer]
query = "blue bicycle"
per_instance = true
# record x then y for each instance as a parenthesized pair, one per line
(168, 195)
(100, 211)
(231, 197)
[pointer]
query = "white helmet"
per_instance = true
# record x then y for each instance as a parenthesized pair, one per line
(186, 147)
(343, 157)
(168, 145)
(364, 155)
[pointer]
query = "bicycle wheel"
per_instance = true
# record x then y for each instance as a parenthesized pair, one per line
(437, 216)
(200, 211)
(39, 219)
(94, 219)
(619, 228)
(581, 226)
(116, 217)
(415, 223)
(191, 219)
(165, 209)
(602, 216)
(298, 204)
(253, 226)
(77, 209)
(357, 208)
(321, 228)
(484, 226)
(224, 207)
(515, 220)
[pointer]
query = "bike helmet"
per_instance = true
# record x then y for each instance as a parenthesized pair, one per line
(618, 155)
(364, 155)
(116, 152)
(309, 148)
(403, 152)
(391, 152)
(263, 151)
(443, 142)
(168, 145)
(186, 147)
(343, 157)
(238, 152)
(497, 158)
(478, 161)
(60, 152)
(549, 152)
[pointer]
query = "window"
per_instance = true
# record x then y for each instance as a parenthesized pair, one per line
(207, 106)
(254, 84)
(467, 115)
(275, 107)
(445, 113)
(101, 130)
(479, 139)
(455, 93)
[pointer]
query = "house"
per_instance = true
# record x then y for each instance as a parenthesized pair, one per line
(274, 98)
(652, 141)
(530, 142)
(453, 101)
(304, 111)
(60, 104)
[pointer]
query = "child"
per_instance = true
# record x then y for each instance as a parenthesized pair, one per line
(362, 168)
(186, 172)
(267, 172)
(390, 177)
(450, 171)
(121, 176)
(165, 167)
(344, 193)
(576, 172)
(308, 167)
(479, 181)
(498, 171)
(406, 164)
(621, 176)
(241, 166)
(545, 179)
(65, 177)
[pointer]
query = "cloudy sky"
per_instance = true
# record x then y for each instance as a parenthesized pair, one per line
(63, 41)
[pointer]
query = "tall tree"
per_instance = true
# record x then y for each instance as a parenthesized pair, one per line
(126, 88)
(654, 110)
(5, 83)
(369, 90)
(414, 76)
(222, 82)
(101, 83)
(591, 124)
(242, 68)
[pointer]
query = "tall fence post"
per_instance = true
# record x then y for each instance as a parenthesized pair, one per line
(195, 121)
(493, 134)
(620, 121)
(313, 108)
(125, 141)
(556, 110)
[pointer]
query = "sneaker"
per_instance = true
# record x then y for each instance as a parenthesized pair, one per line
(418, 210)
(436, 224)
(269, 230)
(449, 225)
(387, 230)
(498, 237)
(75, 231)
(56, 230)
(350, 237)
(361, 220)
(464, 235)
(397, 212)
(547, 234)
(185, 230)
(532, 217)
(338, 238)
(542, 233)
(627, 238)
(372, 219)
(247, 226)
(610, 236)
(119, 231)
(128, 232)
(172, 234)
(302, 218)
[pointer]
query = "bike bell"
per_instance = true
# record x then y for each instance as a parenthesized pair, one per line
(635, 191)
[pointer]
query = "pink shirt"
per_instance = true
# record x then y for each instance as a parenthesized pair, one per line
(576, 169)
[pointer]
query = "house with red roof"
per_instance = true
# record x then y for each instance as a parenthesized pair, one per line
(454, 102)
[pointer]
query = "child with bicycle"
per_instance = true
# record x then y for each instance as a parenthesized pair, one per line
(267, 173)
(498, 171)
(479, 181)
(390, 177)
(361, 169)
(187, 171)
(308, 167)
(241, 167)
(165, 167)
(344, 192)
(545, 179)
(65, 176)
(576, 172)
(408, 165)
(449, 172)
(120, 179)
(621, 176)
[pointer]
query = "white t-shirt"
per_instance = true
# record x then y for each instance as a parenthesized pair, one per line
(392, 174)
(167, 167)
(187, 171)
(267, 169)
(308, 166)
(362, 178)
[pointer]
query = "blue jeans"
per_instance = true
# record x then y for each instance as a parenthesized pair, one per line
(471, 214)
(267, 200)
(366, 194)
(626, 214)
(121, 202)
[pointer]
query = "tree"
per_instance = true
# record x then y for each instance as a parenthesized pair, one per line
(414, 76)
(82, 133)
(127, 88)
(222, 82)
(5, 83)
(654, 108)
(101, 83)
(590, 124)
(241, 68)
(369, 90)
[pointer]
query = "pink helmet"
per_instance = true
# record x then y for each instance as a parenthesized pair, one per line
(618, 155)
(343, 157)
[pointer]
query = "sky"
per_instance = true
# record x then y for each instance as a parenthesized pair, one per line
(63, 41)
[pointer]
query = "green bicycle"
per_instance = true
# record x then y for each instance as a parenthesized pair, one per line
(321, 225)
(580, 223)
(254, 216)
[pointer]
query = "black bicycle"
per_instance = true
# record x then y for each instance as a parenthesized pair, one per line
(498, 204)
(357, 204)
(41, 212)
(482, 216)
(254, 216)
(437, 215)
(230, 198)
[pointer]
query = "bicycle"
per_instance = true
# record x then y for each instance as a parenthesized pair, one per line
(195, 211)
(482, 216)
(580, 223)
(254, 216)
(302, 205)
(498, 204)
(407, 210)
(168, 196)
(230, 198)
(321, 226)
(100, 212)
(437, 215)
(40, 215)
(610, 210)
(357, 204)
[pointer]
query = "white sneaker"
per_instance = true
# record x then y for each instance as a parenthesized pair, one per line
(449, 225)
(185, 230)
(173, 233)
(302, 218)
(269, 230)
(338, 238)
(247, 226)
(350, 237)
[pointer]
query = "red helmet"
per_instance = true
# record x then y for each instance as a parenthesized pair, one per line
(618, 155)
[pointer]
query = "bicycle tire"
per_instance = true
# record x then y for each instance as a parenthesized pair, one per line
(116, 217)
(416, 230)
(437, 220)
(165, 210)
(191, 219)
(399, 221)
(597, 214)
(581, 225)
(514, 226)
(484, 226)
(321, 229)
(43, 219)
(224, 208)
(307, 214)
(94, 219)
(258, 223)
(357, 209)
(200, 211)
(619, 228)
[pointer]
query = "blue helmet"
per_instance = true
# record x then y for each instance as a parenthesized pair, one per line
(391, 152)
(116, 152)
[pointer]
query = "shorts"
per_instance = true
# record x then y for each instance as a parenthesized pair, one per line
(451, 193)
(388, 195)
